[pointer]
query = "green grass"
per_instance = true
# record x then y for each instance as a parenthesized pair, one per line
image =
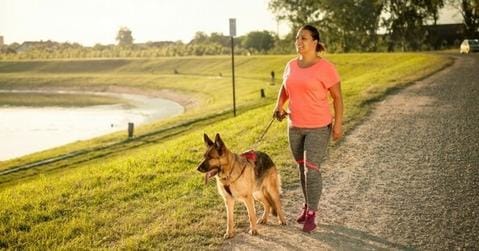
(145, 192)
(35, 99)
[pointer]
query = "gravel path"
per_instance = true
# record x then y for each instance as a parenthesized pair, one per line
(406, 178)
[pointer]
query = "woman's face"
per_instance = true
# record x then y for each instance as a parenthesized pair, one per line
(304, 42)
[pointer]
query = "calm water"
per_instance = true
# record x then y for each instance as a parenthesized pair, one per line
(25, 130)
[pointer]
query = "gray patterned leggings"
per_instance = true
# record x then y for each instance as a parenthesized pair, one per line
(309, 146)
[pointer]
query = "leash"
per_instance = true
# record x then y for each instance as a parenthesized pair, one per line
(264, 133)
(267, 128)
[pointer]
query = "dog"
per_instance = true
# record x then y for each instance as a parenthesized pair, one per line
(245, 177)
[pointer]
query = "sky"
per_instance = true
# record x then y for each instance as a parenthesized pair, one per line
(448, 14)
(97, 21)
(89, 22)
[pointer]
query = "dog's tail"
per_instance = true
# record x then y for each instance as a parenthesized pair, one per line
(280, 185)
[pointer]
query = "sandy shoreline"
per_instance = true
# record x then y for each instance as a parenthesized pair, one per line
(184, 99)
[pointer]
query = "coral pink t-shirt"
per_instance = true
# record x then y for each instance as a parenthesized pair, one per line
(307, 89)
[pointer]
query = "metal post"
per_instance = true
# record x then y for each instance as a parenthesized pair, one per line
(233, 74)
(232, 22)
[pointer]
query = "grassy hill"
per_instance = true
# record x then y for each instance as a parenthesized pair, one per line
(145, 192)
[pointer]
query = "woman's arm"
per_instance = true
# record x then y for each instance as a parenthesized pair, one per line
(335, 91)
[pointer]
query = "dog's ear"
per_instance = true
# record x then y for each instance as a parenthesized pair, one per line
(219, 144)
(208, 141)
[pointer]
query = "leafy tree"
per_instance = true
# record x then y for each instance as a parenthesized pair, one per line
(199, 38)
(8, 49)
(350, 25)
(220, 39)
(405, 22)
(469, 10)
(124, 37)
(285, 45)
(215, 39)
(261, 41)
(347, 25)
(297, 12)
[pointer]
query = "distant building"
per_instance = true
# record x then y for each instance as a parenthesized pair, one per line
(27, 45)
(441, 36)
(1, 41)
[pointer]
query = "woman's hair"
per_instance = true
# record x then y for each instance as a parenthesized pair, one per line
(315, 34)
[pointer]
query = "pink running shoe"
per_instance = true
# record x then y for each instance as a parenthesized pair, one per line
(302, 217)
(309, 224)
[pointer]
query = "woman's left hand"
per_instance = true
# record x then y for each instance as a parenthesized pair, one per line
(337, 131)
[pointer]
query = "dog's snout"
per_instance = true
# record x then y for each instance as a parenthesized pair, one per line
(203, 166)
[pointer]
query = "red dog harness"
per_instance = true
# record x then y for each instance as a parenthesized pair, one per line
(249, 155)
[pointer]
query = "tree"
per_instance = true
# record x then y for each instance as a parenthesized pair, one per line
(347, 25)
(350, 25)
(470, 12)
(124, 37)
(199, 38)
(405, 21)
(297, 12)
(219, 38)
(260, 41)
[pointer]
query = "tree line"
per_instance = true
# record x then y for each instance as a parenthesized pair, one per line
(255, 42)
(345, 25)
(375, 25)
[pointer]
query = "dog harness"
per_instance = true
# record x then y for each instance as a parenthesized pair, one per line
(249, 155)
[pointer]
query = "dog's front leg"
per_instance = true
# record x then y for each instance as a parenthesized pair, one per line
(230, 228)
(249, 202)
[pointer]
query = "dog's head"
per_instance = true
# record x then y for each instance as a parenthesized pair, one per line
(212, 162)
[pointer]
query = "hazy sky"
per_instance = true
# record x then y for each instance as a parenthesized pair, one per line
(97, 21)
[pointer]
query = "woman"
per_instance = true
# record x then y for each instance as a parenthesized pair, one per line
(307, 80)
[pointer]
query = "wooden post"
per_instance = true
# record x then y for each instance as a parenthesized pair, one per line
(130, 129)
(262, 93)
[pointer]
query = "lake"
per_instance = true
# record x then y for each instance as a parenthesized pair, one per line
(25, 130)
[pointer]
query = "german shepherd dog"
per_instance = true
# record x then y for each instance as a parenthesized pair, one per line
(242, 177)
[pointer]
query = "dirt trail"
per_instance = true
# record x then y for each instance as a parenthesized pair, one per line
(406, 178)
